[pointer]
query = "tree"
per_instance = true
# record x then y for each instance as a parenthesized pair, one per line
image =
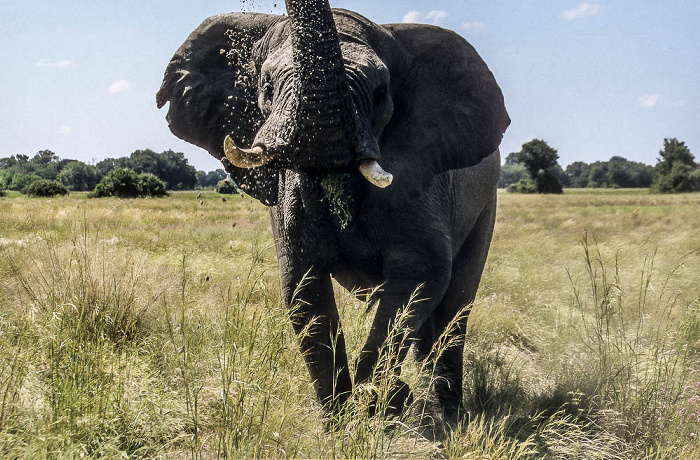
(676, 170)
(46, 164)
(20, 181)
(578, 172)
(169, 166)
(674, 151)
(511, 173)
(512, 159)
(79, 176)
(539, 159)
(211, 178)
(106, 166)
(176, 171)
(5, 178)
(44, 157)
(145, 161)
(536, 155)
(20, 164)
(561, 176)
(616, 172)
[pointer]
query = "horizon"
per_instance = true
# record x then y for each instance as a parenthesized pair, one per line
(592, 79)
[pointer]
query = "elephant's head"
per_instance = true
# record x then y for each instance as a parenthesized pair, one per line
(328, 90)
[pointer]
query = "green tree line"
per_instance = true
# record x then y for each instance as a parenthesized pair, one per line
(535, 169)
(18, 172)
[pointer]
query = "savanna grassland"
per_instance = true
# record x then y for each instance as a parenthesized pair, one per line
(154, 328)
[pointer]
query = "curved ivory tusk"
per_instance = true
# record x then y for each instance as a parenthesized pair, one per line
(374, 173)
(245, 158)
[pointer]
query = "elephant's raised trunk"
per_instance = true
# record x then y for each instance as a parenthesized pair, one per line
(326, 114)
(320, 127)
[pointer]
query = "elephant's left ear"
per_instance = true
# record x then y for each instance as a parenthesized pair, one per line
(448, 111)
(211, 85)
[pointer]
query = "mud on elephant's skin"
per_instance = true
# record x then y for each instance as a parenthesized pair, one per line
(376, 149)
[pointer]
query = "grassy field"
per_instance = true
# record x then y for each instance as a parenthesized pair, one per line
(154, 328)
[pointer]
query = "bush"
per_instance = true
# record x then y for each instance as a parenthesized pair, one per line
(227, 187)
(547, 182)
(44, 188)
(125, 183)
(152, 186)
(122, 183)
(522, 186)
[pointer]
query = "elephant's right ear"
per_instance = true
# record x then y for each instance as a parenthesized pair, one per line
(211, 85)
(449, 112)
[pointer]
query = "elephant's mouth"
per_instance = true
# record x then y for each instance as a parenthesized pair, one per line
(259, 155)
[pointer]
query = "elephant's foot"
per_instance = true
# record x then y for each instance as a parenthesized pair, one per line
(336, 417)
(436, 422)
(398, 398)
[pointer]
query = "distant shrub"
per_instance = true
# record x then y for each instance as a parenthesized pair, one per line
(45, 188)
(526, 185)
(152, 186)
(125, 183)
(547, 182)
(2, 192)
(227, 187)
(122, 183)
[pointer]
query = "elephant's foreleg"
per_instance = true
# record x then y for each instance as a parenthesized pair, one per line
(443, 354)
(316, 322)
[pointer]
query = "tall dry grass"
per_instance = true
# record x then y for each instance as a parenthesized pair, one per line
(155, 329)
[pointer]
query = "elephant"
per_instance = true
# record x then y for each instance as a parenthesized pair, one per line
(375, 148)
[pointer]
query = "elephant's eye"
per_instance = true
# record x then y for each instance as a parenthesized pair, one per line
(379, 96)
(265, 94)
(266, 90)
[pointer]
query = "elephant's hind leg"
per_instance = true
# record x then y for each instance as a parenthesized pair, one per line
(399, 317)
(441, 340)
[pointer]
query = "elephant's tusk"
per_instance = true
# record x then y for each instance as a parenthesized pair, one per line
(374, 173)
(245, 158)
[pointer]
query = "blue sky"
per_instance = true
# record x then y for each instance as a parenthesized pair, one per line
(593, 79)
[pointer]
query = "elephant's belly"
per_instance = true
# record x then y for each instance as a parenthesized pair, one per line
(358, 270)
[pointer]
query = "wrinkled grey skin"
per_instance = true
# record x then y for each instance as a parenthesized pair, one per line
(416, 98)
